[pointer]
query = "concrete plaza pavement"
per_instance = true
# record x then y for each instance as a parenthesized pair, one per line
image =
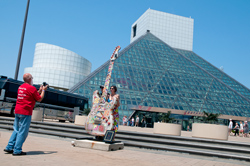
(50, 150)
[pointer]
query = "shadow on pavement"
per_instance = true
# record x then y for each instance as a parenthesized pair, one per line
(40, 152)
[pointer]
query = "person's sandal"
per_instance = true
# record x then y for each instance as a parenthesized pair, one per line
(19, 154)
(8, 151)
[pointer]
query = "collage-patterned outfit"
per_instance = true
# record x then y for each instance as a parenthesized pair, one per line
(115, 117)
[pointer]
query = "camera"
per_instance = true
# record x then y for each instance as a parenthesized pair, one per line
(44, 84)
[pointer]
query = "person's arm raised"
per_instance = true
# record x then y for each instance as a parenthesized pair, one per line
(43, 93)
(40, 89)
(118, 100)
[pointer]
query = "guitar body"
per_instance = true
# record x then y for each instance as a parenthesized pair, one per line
(101, 117)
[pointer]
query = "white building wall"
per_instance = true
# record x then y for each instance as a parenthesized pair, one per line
(58, 66)
(176, 31)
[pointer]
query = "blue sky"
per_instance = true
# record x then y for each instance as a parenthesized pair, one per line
(94, 28)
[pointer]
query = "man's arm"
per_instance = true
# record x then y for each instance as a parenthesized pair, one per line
(40, 89)
(44, 88)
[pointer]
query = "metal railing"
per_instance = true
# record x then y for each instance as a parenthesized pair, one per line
(53, 111)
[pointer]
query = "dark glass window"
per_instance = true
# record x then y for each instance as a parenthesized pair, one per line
(134, 30)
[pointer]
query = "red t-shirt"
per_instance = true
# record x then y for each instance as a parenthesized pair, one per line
(26, 99)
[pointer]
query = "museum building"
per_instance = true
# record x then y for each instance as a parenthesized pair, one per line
(154, 76)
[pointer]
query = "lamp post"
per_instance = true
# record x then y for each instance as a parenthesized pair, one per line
(21, 42)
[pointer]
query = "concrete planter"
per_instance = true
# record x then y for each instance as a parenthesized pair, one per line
(210, 131)
(37, 115)
(80, 120)
(167, 128)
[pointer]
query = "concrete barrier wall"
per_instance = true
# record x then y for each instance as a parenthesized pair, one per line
(37, 115)
(210, 131)
(80, 120)
(167, 128)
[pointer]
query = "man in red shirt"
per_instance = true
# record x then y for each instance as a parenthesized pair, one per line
(26, 99)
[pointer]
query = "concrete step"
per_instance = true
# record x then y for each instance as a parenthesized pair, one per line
(123, 132)
(76, 132)
(185, 144)
(188, 150)
(136, 135)
(187, 139)
(217, 148)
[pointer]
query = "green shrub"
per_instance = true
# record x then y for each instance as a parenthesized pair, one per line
(165, 117)
(86, 111)
(210, 117)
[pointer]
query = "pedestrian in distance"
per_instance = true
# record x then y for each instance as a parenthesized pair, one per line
(137, 120)
(132, 121)
(128, 122)
(246, 129)
(236, 129)
(124, 120)
(230, 126)
(241, 128)
(144, 121)
(27, 96)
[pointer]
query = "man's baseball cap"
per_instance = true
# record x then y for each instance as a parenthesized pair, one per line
(101, 86)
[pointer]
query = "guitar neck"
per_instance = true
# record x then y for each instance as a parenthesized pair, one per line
(107, 81)
(111, 64)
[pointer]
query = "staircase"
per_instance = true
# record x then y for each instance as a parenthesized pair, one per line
(198, 146)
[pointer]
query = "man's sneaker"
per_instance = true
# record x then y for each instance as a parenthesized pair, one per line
(19, 154)
(8, 151)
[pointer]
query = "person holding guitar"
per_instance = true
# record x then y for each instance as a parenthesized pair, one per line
(113, 90)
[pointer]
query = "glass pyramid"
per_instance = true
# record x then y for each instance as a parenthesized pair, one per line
(149, 72)
(217, 73)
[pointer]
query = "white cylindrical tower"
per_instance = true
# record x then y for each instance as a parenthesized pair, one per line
(57, 66)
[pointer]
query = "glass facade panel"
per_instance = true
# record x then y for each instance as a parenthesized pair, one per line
(216, 72)
(150, 73)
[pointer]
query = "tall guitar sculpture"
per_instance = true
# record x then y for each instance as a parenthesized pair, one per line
(100, 118)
